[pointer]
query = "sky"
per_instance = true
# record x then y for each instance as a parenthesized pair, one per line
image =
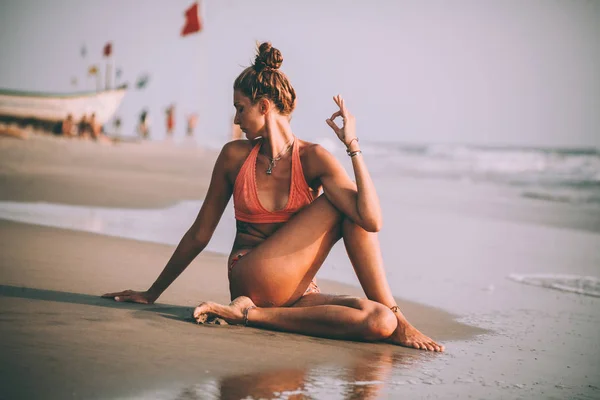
(503, 72)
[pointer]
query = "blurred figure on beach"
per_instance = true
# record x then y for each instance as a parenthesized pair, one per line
(95, 127)
(83, 127)
(192, 121)
(117, 127)
(68, 126)
(170, 120)
(143, 127)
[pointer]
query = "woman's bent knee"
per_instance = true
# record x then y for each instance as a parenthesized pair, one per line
(380, 323)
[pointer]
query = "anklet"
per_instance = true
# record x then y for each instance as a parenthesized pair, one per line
(395, 309)
(246, 314)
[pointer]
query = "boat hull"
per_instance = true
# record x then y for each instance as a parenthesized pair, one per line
(55, 107)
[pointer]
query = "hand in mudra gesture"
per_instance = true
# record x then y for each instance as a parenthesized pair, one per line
(348, 130)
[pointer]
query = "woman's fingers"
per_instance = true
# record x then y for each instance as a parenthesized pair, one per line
(131, 298)
(348, 124)
(333, 126)
(116, 294)
(335, 115)
(126, 295)
(339, 100)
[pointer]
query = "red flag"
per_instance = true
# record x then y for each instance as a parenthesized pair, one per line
(192, 20)
(107, 49)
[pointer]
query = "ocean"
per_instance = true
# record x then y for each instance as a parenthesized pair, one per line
(565, 175)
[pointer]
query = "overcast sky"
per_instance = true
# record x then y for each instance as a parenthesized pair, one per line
(485, 72)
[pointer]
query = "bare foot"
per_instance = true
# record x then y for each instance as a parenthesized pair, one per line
(233, 313)
(408, 336)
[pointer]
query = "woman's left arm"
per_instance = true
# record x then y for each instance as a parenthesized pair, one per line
(358, 201)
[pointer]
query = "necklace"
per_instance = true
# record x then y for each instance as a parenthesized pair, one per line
(278, 157)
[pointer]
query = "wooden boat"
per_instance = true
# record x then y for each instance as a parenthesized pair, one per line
(49, 108)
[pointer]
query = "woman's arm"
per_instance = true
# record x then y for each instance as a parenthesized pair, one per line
(195, 239)
(359, 201)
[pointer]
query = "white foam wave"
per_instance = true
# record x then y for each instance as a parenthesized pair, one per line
(586, 285)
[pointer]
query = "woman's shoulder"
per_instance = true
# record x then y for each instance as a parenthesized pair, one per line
(315, 157)
(310, 149)
(237, 148)
(234, 153)
(313, 152)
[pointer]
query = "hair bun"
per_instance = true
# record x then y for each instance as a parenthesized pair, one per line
(268, 57)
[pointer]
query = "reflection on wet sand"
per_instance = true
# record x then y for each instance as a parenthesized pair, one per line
(364, 379)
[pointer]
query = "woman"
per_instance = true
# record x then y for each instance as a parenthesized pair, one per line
(285, 229)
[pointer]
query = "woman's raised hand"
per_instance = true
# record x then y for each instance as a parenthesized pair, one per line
(132, 296)
(348, 130)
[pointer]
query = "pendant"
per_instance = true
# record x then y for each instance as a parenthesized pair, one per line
(270, 169)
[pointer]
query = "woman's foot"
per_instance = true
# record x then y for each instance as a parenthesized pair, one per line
(408, 336)
(233, 313)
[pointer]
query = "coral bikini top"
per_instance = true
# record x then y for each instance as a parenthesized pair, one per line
(245, 193)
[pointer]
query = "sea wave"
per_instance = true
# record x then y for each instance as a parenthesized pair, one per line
(570, 175)
(586, 285)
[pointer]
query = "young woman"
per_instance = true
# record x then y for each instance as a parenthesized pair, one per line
(285, 229)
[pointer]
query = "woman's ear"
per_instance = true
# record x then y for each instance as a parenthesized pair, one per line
(264, 105)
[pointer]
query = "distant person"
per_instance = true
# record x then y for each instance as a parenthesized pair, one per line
(95, 127)
(117, 126)
(286, 228)
(170, 120)
(143, 127)
(83, 127)
(68, 126)
(192, 121)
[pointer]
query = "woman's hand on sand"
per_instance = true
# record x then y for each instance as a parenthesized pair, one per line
(348, 130)
(132, 296)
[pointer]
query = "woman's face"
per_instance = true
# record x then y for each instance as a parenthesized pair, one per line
(248, 116)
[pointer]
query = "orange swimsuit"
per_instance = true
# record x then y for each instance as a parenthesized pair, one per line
(247, 204)
(245, 193)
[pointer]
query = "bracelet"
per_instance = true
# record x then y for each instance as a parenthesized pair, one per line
(353, 153)
(246, 314)
(348, 145)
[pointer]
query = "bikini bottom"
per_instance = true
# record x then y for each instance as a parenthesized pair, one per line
(312, 287)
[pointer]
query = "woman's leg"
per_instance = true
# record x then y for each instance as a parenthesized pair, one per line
(335, 317)
(278, 271)
(364, 253)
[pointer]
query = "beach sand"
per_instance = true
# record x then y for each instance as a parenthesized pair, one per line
(61, 340)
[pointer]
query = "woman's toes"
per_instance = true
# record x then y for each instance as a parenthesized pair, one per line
(201, 313)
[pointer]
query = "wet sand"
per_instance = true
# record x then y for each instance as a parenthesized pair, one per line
(61, 340)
